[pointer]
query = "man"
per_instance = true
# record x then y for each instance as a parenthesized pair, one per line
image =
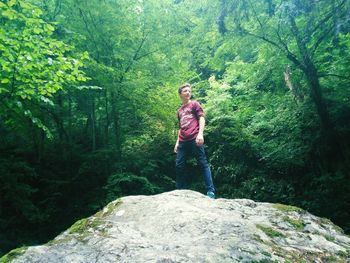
(190, 140)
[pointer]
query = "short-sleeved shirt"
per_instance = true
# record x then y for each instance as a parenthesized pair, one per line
(188, 116)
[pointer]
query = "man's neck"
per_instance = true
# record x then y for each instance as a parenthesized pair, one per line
(184, 102)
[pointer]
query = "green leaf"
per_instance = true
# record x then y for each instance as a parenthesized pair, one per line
(3, 90)
(37, 30)
(49, 27)
(11, 2)
(9, 13)
(25, 5)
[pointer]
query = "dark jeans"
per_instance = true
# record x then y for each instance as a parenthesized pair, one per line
(183, 151)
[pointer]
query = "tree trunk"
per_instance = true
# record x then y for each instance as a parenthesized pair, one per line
(312, 79)
(335, 151)
(70, 142)
(221, 18)
(116, 122)
(107, 123)
(316, 95)
(93, 123)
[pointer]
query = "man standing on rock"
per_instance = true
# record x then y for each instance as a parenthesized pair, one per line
(190, 140)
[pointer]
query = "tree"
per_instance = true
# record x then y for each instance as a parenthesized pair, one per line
(299, 29)
(34, 65)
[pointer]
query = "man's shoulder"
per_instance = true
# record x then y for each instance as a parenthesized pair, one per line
(196, 104)
(193, 103)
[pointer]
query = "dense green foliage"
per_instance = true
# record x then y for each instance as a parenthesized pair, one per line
(88, 93)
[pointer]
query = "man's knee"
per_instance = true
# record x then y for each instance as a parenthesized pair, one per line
(204, 165)
(179, 165)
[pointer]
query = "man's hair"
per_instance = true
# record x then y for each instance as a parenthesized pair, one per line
(184, 86)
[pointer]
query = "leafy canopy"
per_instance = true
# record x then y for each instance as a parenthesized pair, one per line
(34, 65)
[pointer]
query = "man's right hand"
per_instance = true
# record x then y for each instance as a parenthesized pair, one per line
(175, 148)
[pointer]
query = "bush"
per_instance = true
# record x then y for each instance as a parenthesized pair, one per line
(122, 184)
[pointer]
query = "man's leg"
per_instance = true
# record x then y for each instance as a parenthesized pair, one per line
(203, 162)
(180, 165)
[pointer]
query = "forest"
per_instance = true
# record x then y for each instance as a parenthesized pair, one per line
(88, 99)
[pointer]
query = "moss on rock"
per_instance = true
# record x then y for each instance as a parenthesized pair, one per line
(269, 231)
(287, 208)
(327, 222)
(109, 209)
(13, 254)
(296, 223)
(79, 227)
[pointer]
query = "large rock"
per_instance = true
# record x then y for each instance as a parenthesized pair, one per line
(186, 226)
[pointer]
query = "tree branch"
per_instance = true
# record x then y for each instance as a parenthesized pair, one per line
(90, 33)
(284, 48)
(57, 10)
(146, 54)
(256, 15)
(323, 75)
(328, 31)
(135, 57)
(329, 16)
(319, 41)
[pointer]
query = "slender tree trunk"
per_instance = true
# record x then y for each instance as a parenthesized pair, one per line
(107, 123)
(116, 122)
(69, 137)
(221, 18)
(93, 123)
(270, 8)
(41, 145)
(60, 127)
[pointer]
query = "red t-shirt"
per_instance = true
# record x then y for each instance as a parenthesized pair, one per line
(188, 116)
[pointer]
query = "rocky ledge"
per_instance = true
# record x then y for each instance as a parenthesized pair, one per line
(186, 226)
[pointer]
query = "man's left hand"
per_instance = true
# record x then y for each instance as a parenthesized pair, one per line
(199, 140)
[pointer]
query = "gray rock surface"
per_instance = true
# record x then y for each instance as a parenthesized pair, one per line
(186, 226)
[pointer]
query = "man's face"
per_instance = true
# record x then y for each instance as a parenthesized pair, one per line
(185, 93)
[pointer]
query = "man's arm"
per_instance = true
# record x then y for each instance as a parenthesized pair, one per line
(200, 138)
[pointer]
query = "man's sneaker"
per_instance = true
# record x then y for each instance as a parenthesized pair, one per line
(211, 195)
